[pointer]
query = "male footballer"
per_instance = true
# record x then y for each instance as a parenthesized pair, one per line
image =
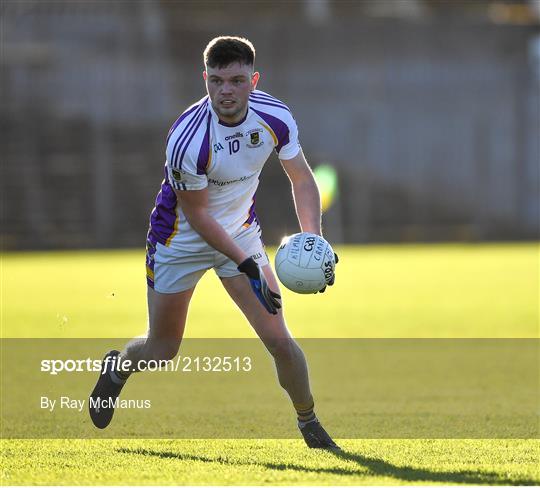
(205, 218)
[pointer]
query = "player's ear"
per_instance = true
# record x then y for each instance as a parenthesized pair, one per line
(254, 80)
(204, 75)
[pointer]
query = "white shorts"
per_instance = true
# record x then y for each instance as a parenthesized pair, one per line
(172, 271)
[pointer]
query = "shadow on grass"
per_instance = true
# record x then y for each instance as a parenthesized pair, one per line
(369, 466)
(383, 468)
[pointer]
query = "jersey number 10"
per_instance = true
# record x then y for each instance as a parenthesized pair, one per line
(234, 146)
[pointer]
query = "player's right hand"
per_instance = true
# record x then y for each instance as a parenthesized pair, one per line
(269, 299)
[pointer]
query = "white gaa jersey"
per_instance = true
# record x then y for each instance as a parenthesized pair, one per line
(203, 152)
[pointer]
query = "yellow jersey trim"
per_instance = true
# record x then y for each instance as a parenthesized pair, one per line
(272, 133)
(209, 163)
(175, 229)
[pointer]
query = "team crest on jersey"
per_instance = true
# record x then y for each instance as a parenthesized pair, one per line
(254, 138)
(177, 175)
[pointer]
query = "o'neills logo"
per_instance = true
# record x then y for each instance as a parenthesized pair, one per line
(99, 403)
(234, 136)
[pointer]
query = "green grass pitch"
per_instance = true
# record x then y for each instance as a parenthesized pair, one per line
(439, 291)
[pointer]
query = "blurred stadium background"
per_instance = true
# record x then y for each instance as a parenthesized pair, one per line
(428, 110)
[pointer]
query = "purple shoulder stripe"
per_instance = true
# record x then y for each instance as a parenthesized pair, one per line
(179, 120)
(204, 151)
(284, 107)
(183, 134)
(266, 96)
(189, 137)
(279, 127)
(183, 116)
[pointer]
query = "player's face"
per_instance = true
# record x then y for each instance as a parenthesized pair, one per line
(229, 90)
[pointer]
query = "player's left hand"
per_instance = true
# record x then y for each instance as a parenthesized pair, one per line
(332, 278)
(269, 299)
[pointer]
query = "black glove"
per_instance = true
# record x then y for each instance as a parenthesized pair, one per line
(266, 296)
(332, 278)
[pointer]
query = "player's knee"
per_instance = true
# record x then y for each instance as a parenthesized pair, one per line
(163, 350)
(283, 349)
(167, 353)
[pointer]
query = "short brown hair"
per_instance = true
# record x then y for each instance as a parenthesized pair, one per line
(225, 50)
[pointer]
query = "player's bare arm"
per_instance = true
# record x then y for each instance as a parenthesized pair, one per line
(307, 199)
(305, 193)
(194, 204)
